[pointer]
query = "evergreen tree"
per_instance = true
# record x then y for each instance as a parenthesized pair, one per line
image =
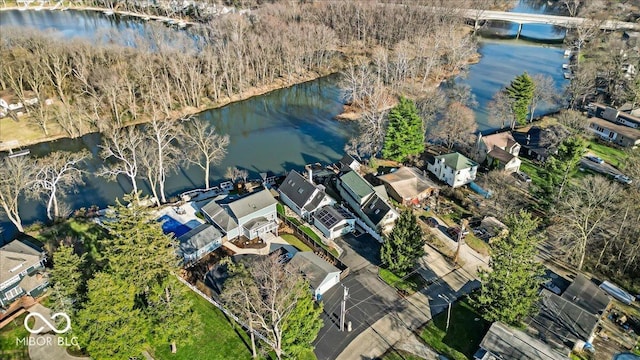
(559, 166)
(301, 327)
(509, 292)
(137, 250)
(404, 245)
(521, 91)
(111, 326)
(66, 279)
(405, 132)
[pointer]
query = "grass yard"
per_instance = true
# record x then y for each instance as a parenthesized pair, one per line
(307, 230)
(219, 338)
(9, 348)
(409, 285)
(291, 239)
(464, 335)
(477, 244)
(609, 154)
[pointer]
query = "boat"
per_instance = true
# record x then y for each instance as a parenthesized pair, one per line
(567, 75)
(146, 18)
(567, 52)
(565, 66)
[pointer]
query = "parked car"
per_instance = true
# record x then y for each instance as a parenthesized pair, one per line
(432, 222)
(524, 177)
(455, 231)
(595, 159)
(622, 179)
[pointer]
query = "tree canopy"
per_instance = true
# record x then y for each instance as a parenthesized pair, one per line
(509, 291)
(521, 91)
(405, 132)
(66, 278)
(404, 245)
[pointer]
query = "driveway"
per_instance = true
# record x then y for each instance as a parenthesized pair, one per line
(603, 168)
(44, 346)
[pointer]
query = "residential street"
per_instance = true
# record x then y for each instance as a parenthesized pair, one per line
(380, 318)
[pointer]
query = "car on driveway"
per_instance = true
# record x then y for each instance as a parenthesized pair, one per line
(524, 177)
(622, 179)
(432, 222)
(595, 159)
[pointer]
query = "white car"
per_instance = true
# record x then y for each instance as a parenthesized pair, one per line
(622, 179)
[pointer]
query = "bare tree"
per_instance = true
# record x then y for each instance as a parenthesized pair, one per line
(122, 150)
(506, 194)
(572, 6)
(16, 178)
(583, 214)
(372, 125)
(544, 91)
(163, 135)
(573, 120)
(501, 110)
(204, 146)
(457, 127)
(233, 173)
(57, 172)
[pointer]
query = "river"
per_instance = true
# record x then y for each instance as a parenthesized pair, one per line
(281, 130)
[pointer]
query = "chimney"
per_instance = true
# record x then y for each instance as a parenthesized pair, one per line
(309, 173)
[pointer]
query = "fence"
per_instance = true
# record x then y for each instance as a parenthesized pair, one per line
(312, 243)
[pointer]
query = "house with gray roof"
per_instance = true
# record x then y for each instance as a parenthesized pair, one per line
(363, 198)
(249, 216)
(504, 342)
(302, 196)
(21, 272)
(198, 242)
(333, 221)
(454, 169)
(321, 275)
(348, 162)
(584, 293)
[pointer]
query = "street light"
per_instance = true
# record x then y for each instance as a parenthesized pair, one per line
(445, 298)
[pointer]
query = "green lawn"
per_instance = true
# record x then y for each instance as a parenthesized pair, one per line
(218, 340)
(307, 230)
(291, 239)
(9, 348)
(409, 285)
(280, 208)
(609, 154)
(464, 335)
(477, 244)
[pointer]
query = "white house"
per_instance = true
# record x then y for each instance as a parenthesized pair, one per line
(372, 208)
(302, 196)
(333, 221)
(249, 216)
(321, 275)
(454, 169)
(21, 272)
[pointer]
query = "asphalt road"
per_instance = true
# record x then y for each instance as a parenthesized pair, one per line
(603, 168)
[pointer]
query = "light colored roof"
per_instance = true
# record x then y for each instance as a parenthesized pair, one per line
(492, 222)
(502, 140)
(509, 343)
(15, 257)
(252, 203)
(32, 281)
(198, 238)
(313, 267)
(457, 161)
(220, 216)
(357, 184)
(625, 131)
(408, 182)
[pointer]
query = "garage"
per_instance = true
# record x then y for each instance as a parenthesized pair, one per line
(321, 275)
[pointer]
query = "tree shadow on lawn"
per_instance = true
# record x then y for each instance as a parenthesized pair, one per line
(466, 329)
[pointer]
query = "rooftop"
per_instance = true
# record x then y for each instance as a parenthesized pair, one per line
(314, 268)
(408, 181)
(456, 161)
(198, 238)
(502, 140)
(625, 131)
(297, 188)
(15, 257)
(502, 155)
(252, 203)
(587, 295)
(328, 216)
(357, 184)
(504, 342)
(376, 209)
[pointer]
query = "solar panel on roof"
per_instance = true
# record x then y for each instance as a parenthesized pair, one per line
(327, 218)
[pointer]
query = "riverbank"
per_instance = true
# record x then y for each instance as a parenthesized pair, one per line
(31, 134)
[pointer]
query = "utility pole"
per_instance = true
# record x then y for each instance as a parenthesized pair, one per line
(445, 298)
(463, 226)
(343, 306)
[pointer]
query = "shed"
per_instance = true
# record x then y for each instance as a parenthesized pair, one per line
(587, 295)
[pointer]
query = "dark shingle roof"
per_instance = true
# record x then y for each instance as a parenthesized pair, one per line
(219, 215)
(297, 188)
(587, 295)
(375, 209)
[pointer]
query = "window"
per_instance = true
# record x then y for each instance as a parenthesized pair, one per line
(13, 293)
(611, 134)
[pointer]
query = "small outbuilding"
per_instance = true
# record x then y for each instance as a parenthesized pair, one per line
(408, 185)
(504, 342)
(198, 242)
(321, 275)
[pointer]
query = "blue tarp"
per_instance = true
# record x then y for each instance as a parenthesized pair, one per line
(475, 187)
